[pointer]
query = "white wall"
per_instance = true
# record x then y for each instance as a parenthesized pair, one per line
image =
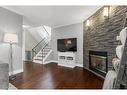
(12, 23)
(30, 41)
(23, 45)
(33, 36)
(37, 33)
(70, 31)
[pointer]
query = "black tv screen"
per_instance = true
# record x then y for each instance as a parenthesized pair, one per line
(66, 45)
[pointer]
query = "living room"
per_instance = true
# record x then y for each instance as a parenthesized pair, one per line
(81, 50)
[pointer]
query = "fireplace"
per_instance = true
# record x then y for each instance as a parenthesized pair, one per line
(98, 62)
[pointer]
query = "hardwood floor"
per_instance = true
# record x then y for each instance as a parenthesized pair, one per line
(52, 76)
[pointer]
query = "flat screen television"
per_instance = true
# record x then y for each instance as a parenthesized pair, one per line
(67, 45)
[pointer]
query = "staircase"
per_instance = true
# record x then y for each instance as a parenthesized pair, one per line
(41, 51)
(42, 55)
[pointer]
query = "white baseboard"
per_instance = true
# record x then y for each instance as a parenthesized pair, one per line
(38, 62)
(79, 65)
(71, 66)
(55, 61)
(94, 72)
(16, 71)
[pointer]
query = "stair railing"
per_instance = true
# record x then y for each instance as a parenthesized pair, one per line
(41, 45)
(43, 50)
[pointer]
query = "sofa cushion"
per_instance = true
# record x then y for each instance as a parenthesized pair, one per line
(4, 75)
(119, 51)
(123, 35)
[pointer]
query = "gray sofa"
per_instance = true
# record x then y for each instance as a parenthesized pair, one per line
(4, 75)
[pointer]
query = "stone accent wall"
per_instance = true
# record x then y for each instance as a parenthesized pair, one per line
(101, 35)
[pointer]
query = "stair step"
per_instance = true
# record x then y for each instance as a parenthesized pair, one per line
(43, 52)
(46, 49)
(38, 59)
(40, 56)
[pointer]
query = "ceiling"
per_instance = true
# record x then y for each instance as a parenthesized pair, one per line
(53, 16)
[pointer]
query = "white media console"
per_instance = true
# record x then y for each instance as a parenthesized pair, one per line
(66, 59)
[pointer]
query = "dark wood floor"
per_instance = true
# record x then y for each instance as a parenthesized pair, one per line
(52, 76)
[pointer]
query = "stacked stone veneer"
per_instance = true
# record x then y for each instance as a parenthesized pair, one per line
(102, 32)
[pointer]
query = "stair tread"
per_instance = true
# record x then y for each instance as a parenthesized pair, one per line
(38, 59)
(46, 49)
(43, 52)
(41, 56)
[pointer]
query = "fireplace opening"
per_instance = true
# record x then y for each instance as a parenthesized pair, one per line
(98, 62)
